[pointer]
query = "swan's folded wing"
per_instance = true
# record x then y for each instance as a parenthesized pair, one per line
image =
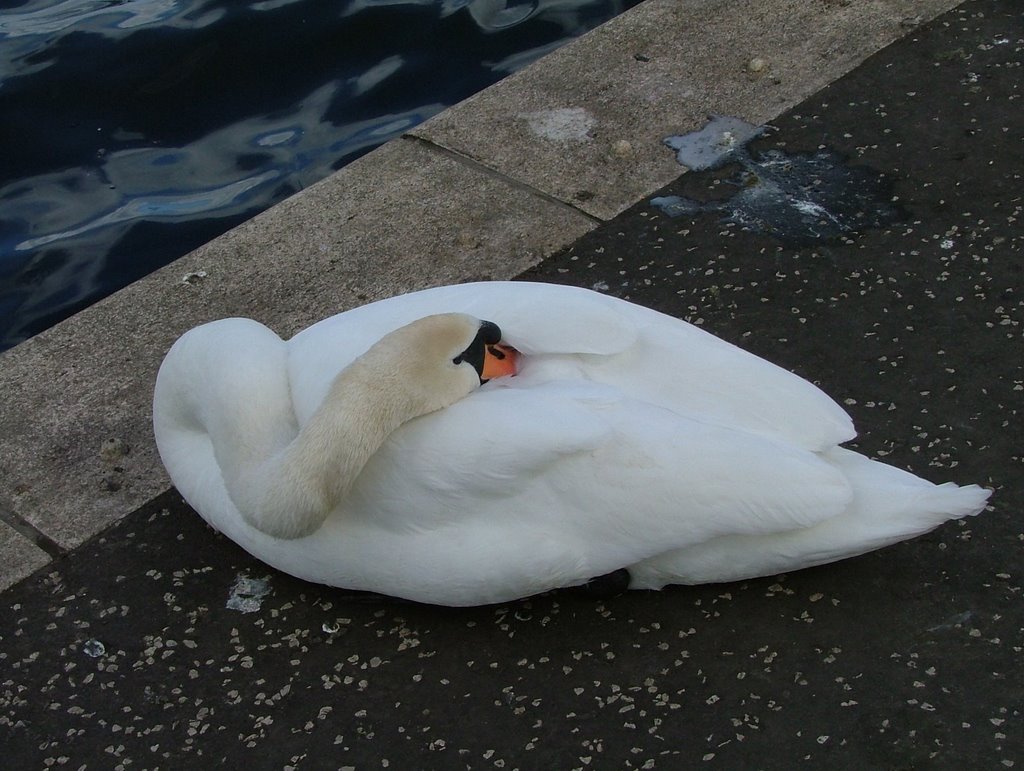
(686, 370)
(654, 358)
(462, 462)
(603, 481)
(665, 361)
(552, 319)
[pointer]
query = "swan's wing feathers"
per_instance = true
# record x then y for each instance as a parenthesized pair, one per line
(546, 319)
(457, 464)
(568, 331)
(535, 318)
(687, 370)
(669, 479)
(663, 360)
(652, 357)
(602, 480)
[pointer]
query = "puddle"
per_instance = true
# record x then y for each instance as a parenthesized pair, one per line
(796, 197)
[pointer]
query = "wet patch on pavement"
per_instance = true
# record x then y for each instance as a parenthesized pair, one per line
(798, 198)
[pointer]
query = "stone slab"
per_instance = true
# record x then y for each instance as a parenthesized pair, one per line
(585, 124)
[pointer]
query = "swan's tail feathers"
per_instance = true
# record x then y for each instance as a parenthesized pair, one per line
(894, 500)
(949, 501)
(888, 506)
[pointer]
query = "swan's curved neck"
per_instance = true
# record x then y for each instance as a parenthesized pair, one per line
(285, 481)
(291, 493)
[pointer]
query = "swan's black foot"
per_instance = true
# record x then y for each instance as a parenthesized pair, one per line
(607, 586)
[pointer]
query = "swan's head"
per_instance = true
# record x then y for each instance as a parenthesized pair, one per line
(443, 358)
(488, 355)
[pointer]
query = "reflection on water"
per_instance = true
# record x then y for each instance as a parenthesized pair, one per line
(135, 130)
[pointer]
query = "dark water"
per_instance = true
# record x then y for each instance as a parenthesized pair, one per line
(132, 131)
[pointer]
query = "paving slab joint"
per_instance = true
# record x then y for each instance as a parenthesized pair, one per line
(34, 535)
(496, 175)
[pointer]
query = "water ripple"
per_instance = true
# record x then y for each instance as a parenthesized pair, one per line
(159, 207)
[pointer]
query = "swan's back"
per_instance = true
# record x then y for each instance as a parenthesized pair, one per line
(567, 332)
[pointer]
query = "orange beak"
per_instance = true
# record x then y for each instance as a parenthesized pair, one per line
(500, 360)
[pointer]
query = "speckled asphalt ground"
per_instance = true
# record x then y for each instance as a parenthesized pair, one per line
(151, 645)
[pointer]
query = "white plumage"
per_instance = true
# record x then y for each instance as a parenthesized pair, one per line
(628, 439)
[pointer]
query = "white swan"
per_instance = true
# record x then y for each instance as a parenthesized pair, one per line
(628, 439)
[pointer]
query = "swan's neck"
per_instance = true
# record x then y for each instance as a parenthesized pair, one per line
(291, 493)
